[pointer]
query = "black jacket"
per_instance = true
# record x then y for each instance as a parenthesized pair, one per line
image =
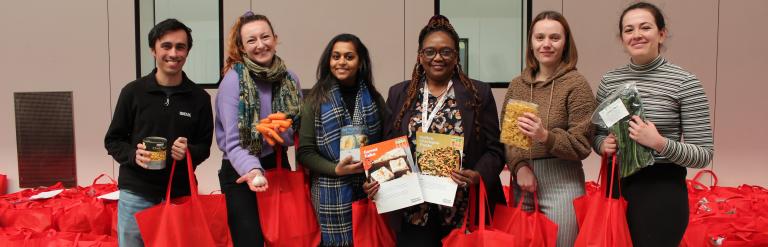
(142, 110)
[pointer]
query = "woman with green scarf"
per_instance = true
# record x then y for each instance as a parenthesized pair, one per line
(256, 84)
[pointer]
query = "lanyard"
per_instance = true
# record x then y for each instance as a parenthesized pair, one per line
(426, 121)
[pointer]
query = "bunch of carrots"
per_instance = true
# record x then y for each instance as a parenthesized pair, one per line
(271, 127)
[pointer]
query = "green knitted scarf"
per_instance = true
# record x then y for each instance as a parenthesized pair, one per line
(285, 98)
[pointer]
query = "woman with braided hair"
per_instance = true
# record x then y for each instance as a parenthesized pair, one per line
(440, 98)
(256, 84)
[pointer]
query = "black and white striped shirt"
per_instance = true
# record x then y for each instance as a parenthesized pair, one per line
(675, 102)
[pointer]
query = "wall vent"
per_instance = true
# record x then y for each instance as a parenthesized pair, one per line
(45, 138)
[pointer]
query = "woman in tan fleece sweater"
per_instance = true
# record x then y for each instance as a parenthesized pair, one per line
(561, 133)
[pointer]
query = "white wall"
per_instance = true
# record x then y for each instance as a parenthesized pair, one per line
(88, 47)
(47, 48)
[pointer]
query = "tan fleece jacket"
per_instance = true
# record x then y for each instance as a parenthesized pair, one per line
(570, 127)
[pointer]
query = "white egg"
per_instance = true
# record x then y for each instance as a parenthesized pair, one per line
(259, 181)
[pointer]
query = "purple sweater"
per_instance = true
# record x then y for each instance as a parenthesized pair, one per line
(227, 133)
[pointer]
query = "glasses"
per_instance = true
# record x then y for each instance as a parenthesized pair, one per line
(431, 53)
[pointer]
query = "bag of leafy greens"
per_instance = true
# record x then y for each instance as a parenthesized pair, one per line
(614, 114)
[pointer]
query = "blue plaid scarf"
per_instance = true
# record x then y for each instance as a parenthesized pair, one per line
(333, 115)
(333, 196)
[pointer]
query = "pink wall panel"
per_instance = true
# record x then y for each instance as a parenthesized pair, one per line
(542, 5)
(741, 113)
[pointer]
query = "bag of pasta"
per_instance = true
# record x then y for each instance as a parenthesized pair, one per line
(614, 114)
(510, 133)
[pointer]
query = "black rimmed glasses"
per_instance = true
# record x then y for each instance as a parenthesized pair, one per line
(431, 53)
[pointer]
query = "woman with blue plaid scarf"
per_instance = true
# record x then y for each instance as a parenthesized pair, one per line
(343, 97)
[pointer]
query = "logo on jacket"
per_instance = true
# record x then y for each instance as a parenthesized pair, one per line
(186, 114)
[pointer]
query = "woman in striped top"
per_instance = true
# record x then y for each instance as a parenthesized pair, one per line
(676, 108)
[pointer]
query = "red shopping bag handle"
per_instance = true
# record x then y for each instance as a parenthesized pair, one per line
(481, 200)
(511, 195)
(190, 175)
(279, 157)
(111, 180)
(617, 177)
(603, 167)
(701, 173)
(279, 154)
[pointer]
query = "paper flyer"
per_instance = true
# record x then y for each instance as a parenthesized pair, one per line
(391, 164)
(437, 155)
(352, 138)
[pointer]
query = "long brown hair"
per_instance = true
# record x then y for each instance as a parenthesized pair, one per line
(235, 41)
(440, 23)
(570, 55)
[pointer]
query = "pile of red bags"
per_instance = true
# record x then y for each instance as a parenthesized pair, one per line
(719, 216)
(726, 216)
(74, 217)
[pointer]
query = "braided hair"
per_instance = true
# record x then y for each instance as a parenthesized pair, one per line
(440, 23)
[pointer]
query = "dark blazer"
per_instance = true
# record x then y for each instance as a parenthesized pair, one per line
(484, 154)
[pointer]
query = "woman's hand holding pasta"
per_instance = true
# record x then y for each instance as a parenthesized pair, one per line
(531, 126)
(511, 132)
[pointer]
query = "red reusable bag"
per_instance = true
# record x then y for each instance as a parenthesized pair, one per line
(37, 219)
(369, 228)
(529, 228)
(481, 236)
(216, 213)
(603, 219)
(23, 195)
(79, 211)
(3, 184)
(85, 215)
(183, 221)
(725, 216)
(285, 210)
(24, 238)
(79, 240)
(96, 189)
